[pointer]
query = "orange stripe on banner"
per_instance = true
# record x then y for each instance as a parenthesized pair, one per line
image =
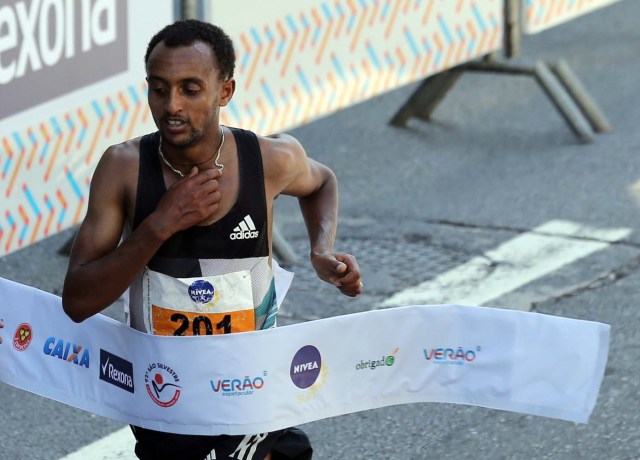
(283, 35)
(254, 64)
(414, 70)
(318, 20)
(270, 46)
(427, 12)
(79, 209)
(471, 29)
(33, 149)
(483, 38)
(325, 39)
(547, 17)
(132, 123)
(67, 146)
(112, 119)
(494, 34)
(427, 62)
(340, 23)
(390, 72)
(407, 4)
(559, 8)
(62, 200)
(34, 234)
(352, 8)
(15, 172)
(50, 218)
(392, 20)
(83, 121)
(361, 22)
(47, 138)
(297, 95)
(246, 45)
(94, 141)
(374, 13)
(460, 49)
(125, 106)
(7, 147)
(287, 59)
(305, 35)
(12, 232)
(459, 6)
(367, 79)
(147, 112)
(355, 86)
(23, 214)
(53, 157)
(285, 111)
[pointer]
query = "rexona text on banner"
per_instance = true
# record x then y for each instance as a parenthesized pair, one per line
(262, 381)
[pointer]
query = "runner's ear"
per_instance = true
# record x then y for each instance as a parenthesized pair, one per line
(227, 89)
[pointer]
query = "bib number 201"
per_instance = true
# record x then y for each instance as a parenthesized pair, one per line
(199, 323)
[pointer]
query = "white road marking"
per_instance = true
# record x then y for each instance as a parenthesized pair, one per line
(515, 263)
(511, 265)
(116, 446)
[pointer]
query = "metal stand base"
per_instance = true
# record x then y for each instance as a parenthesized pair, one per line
(557, 80)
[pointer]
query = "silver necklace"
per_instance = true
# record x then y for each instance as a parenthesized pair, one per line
(220, 166)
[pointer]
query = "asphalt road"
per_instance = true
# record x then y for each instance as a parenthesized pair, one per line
(496, 161)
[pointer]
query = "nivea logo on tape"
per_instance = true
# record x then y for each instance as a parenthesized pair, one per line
(305, 366)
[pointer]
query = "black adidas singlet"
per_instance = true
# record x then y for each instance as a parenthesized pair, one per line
(179, 255)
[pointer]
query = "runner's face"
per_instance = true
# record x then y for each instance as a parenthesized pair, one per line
(185, 94)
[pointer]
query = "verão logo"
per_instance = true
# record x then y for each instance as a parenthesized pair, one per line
(39, 36)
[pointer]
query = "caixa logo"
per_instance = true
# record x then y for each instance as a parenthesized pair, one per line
(162, 384)
(458, 356)
(23, 337)
(238, 386)
(116, 371)
(305, 366)
(70, 352)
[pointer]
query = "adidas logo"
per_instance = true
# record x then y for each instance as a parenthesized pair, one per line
(245, 230)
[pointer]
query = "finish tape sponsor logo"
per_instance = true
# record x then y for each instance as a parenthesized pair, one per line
(116, 371)
(22, 337)
(51, 47)
(305, 367)
(239, 386)
(68, 351)
(373, 364)
(162, 384)
(458, 356)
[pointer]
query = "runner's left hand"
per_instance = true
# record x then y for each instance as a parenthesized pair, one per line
(341, 270)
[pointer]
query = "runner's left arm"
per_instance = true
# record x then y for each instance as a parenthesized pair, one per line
(316, 188)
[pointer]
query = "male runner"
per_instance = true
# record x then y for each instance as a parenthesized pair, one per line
(195, 200)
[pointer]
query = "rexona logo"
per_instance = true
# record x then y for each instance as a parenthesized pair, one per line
(201, 291)
(245, 230)
(162, 384)
(305, 366)
(238, 386)
(70, 352)
(373, 364)
(116, 371)
(22, 337)
(457, 356)
(51, 47)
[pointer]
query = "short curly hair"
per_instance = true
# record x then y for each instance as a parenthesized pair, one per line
(188, 31)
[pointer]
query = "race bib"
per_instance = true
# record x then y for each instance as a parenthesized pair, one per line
(207, 305)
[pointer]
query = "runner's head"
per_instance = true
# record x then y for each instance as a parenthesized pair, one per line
(186, 32)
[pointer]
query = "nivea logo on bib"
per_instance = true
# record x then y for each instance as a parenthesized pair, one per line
(305, 366)
(201, 291)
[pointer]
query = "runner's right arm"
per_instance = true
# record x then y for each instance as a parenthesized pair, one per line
(100, 269)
